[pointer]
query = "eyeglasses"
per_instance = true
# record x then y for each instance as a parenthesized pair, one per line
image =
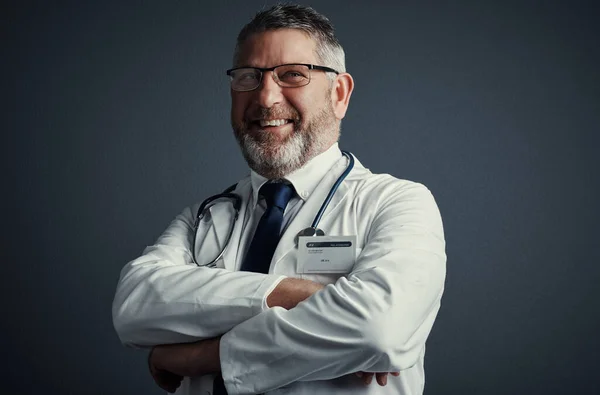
(293, 75)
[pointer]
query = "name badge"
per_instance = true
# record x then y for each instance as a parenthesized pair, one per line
(326, 254)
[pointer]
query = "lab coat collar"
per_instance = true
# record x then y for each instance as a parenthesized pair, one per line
(305, 179)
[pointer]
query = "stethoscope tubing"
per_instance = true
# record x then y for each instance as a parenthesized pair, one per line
(237, 204)
(333, 189)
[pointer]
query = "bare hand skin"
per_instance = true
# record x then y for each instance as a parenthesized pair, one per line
(291, 291)
(170, 363)
(381, 378)
(164, 379)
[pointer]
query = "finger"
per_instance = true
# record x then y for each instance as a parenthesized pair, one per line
(172, 376)
(173, 380)
(161, 380)
(167, 380)
(395, 374)
(381, 378)
(368, 377)
(359, 374)
(162, 384)
(164, 380)
(170, 387)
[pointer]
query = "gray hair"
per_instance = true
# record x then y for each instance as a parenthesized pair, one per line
(293, 16)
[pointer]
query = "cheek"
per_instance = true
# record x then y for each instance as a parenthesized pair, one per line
(303, 104)
(238, 106)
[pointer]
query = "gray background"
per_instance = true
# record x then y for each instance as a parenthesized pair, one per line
(116, 116)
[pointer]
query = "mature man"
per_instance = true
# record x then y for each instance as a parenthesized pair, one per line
(272, 315)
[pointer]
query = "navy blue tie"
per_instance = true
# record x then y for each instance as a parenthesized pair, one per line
(264, 242)
(266, 237)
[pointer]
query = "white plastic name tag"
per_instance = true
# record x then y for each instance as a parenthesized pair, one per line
(326, 254)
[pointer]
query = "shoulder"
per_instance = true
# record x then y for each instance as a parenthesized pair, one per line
(385, 199)
(382, 186)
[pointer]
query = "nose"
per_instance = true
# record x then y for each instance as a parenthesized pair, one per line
(268, 92)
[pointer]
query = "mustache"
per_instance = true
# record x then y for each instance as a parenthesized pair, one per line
(273, 113)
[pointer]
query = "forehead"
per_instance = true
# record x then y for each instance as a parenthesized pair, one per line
(275, 47)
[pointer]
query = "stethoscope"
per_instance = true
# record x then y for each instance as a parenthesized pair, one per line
(236, 201)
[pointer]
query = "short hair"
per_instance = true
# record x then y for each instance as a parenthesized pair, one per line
(294, 16)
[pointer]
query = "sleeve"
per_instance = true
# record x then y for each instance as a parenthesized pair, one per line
(376, 319)
(163, 297)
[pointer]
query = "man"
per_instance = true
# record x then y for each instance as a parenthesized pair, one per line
(260, 319)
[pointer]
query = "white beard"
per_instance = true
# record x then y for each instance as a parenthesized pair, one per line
(272, 158)
(281, 161)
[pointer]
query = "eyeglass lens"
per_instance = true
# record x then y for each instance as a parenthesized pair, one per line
(249, 78)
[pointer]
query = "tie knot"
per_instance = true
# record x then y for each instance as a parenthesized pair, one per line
(277, 194)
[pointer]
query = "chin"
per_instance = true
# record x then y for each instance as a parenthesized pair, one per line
(273, 159)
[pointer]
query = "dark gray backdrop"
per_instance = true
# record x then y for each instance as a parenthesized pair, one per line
(116, 117)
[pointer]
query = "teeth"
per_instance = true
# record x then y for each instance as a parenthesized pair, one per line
(274, 122)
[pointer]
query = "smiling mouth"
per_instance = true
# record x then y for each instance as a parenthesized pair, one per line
(271, 122)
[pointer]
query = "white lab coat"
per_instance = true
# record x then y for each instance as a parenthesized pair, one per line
(375, 318)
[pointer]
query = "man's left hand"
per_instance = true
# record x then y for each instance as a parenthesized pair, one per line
(170, 363)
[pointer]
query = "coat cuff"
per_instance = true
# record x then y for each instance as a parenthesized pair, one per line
(268, 291)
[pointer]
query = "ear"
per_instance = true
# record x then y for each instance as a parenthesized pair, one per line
(340, 94)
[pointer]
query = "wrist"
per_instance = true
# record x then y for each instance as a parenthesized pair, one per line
(291, 291)
(217, 352)
(206, 357)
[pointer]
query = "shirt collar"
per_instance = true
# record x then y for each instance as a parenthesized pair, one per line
(306, 178)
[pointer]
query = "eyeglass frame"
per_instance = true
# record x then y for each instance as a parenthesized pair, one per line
(276, 79)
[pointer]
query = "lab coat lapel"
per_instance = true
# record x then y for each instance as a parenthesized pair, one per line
(311, 206)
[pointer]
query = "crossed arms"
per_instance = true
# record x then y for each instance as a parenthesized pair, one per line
(376, 319)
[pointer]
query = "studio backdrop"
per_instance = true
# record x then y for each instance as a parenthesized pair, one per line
(117, 117)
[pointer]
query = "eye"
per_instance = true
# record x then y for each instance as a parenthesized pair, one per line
(292, 76)
(246, 76)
